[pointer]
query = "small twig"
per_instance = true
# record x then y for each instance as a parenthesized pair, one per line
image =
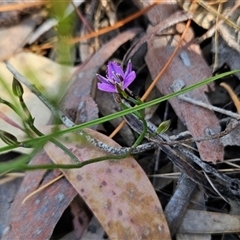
(213, 186)
(180, 136)
(230, 127)
(208, 106)
(180, 84)
(41, 188)
(137, 125)
(233, 95)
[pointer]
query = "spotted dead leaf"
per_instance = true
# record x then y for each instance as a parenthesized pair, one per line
(117, 191)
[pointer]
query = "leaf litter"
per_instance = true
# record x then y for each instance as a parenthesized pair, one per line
(118, 193)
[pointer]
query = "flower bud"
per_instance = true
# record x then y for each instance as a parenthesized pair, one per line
(17, 88)
(8, 138)
(163, 127)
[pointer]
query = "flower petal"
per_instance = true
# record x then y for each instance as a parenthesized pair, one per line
(114, 68)
(129, 68)
(106, 87)
(129, 79)
(102, 79)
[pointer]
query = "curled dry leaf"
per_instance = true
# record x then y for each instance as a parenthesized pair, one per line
(225, 14)
(118, 192)
(201, 15)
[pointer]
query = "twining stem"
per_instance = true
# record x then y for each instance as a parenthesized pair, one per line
(139, 114)
(69, 166)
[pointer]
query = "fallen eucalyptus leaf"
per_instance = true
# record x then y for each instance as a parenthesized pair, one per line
(117, 191)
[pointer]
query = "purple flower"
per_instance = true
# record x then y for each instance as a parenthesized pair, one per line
(116, 76)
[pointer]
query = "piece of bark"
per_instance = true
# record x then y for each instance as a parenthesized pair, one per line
(7, 194)
(197, 203)
(202, 222)
(177, 206)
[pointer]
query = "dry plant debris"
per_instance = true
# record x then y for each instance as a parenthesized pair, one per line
(186, 185)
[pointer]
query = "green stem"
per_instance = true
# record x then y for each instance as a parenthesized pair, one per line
(26, 167)
(58, 144)
(140, 115)
(30, 122)
(142, 135)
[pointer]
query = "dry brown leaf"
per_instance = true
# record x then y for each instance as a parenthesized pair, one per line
(42, 211)
(187, 66)
(118, 192)
(189, 114)
(8, 191)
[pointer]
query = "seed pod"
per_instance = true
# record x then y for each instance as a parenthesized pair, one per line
(17, 88)
(8, 138)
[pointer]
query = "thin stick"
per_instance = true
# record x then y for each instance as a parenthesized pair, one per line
(42, 188)
(232, 95)
(210, 107)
